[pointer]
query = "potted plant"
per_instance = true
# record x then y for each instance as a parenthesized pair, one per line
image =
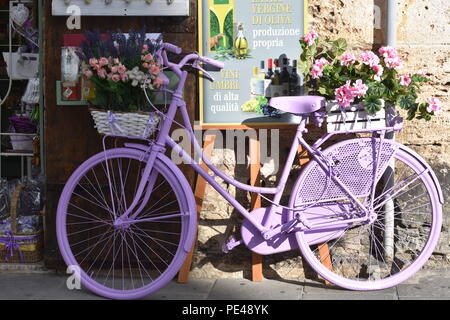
(121, 66)
(369, 81)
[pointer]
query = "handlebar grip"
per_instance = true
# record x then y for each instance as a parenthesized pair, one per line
(172, 48)
(212, 62)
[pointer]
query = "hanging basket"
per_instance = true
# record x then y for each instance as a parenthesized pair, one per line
(18, 247)
(129, 124)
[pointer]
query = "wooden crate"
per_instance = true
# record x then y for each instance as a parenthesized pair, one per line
(355, 118)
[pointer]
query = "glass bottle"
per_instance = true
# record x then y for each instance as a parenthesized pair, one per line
(285, 77)
(294, 79)
(276, 88)
(257, 84)
(268, 79)
(241, 43)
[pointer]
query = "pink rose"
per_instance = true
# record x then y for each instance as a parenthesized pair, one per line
(102, 73)
(369, 58)
(121, 69)
(114, 69)
(103, 61)
(348, 60)
(405, 80)
(146, 65)
(124, 77)
(116, 61)
(144, 48)
(155, 70)
(115, 78)
(435, 106)
(158, 81)
(93, 62)
(88, 74)
(148, 57)
(310, 37)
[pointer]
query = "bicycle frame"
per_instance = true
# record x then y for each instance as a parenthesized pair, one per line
(163, 139)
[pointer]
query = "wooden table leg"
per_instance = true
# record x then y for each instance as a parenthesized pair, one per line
(255, 166)
(199, 194)
(324, 251)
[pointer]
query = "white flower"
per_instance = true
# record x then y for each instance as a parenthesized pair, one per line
(136, 76)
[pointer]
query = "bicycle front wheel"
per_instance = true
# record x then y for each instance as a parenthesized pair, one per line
(398, 239)
(125, 261)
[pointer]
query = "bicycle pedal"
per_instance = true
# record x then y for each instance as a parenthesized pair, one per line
(230, 244)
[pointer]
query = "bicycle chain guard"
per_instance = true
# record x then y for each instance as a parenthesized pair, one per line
(317, 214)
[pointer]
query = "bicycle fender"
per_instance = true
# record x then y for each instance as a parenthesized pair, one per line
(413, 154)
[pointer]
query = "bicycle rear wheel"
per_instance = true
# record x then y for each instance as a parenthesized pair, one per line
(126, 261)
(356, 257)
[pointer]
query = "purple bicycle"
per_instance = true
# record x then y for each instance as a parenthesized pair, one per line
(127, 216)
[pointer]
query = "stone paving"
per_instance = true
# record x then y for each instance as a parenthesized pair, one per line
(49, 286)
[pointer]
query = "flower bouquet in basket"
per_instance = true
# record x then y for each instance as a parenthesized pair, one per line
(121, 66)
(360, 87)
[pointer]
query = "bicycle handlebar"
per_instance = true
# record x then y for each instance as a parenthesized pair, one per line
(211, 62)
(171, 48)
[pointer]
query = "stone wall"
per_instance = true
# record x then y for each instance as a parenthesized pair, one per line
(423, 41)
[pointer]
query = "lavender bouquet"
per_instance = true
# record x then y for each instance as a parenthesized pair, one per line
(118, 64)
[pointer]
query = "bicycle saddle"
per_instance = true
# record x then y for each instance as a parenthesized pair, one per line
(298, 104)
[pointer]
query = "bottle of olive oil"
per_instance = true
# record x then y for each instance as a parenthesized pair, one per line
(241, 43)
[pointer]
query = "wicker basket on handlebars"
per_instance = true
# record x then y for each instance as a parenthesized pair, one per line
(130, 124)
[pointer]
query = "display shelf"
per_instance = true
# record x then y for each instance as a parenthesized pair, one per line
(16, 153)
(122, 8)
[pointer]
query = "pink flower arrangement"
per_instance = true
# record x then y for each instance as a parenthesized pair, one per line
(311, 37)
(371, 79)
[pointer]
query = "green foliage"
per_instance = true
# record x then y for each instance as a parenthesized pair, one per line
(228, 30)
(223, 54)
(339, 47)
(214, 25)
(373, 104)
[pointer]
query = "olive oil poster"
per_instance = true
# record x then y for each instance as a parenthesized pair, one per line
(258, 41)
